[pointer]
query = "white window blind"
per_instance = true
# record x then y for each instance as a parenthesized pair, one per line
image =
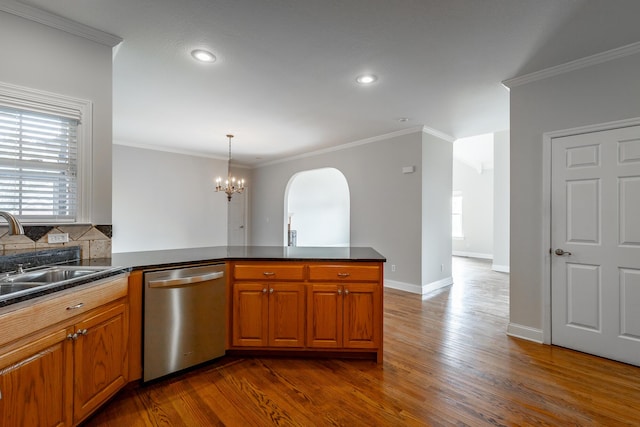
(39, 163)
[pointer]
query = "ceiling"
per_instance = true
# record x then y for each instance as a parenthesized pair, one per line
(284, 79)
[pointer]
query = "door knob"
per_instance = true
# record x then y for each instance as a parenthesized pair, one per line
(561, 252)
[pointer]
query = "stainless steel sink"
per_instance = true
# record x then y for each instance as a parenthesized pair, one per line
(12, 288)
(52, 274)
(42, 278)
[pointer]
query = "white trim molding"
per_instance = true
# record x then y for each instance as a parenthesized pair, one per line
(415, 129)
(58, 22)
(472, 254)
(598, 58)
(402, 286)
(437, 285)
(500, 268)
(417, 289)
(525, 332)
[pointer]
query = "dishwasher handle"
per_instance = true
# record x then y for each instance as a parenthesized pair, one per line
(190, 280)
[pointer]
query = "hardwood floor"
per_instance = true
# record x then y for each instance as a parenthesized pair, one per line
(447, 361)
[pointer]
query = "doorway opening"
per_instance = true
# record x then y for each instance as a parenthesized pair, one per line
(317, 209)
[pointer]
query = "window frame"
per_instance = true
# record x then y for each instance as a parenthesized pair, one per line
(35, 100)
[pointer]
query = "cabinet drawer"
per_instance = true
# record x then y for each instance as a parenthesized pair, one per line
(57, 307)
(344, 273)
(268, 272)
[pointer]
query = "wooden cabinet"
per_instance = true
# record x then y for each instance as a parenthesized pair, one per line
(100, 356)
(301, 306)
(268, 314)
(343, 316)
(63, 355)
(36, 381)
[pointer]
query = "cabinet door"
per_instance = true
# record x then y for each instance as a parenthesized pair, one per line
(286, 315)
(362, 316)
(36, 382)
(250, 315)
(324, 316)
(101, 363)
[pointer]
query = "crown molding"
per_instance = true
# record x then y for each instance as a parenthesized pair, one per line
(437, 134)
(414, 129)
(55, 21)
(598, 58)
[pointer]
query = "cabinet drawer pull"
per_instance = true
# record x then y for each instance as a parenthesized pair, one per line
(269, 273)
(344, 274)
(82, 332)
(74, 307)
(72, 337)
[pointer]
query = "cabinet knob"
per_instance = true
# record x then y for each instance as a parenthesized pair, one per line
(346, 291)
(271, 290)
(339, 291)
(81, 332)
(72, 337)
(264, 290)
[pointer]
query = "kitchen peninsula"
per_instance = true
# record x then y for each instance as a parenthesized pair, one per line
(295, 301)
(86, 334)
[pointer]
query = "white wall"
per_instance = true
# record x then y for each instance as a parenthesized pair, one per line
(40, 57)
(166, 200)
(477, 210)
(598, 94)
(501, 201)
(318, 206)
(437, 164)
(385, 203)
(405, 217)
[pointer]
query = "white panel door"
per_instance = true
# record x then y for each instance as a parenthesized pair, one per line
(595, 236)
(236, 231)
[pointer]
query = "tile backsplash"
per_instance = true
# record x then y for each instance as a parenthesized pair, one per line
(94, 241)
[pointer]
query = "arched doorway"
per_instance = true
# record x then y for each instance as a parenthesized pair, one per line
(317, 208)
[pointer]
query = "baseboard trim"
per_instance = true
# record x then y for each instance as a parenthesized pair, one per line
(472, 254)
(439, 284)
(500, 268)
(417, 289)
(402, 286)
(525, 332)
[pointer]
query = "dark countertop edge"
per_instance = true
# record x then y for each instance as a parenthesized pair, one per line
(166, 265)
(64, 285)
(169, 258)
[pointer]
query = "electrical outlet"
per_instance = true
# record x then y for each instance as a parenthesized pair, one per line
(393, 267)
(58, 238)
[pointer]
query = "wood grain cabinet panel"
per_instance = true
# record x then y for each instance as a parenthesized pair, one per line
(36, 381)
(100, 354)
(319, 307)
(57, 375)
(268, 314)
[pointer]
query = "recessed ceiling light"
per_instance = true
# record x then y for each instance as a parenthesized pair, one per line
(366, 79)
(203, 55)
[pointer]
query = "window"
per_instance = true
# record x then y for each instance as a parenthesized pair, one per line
(456, 215)
(41, 156)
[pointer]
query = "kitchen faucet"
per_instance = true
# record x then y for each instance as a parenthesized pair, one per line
(14, 225)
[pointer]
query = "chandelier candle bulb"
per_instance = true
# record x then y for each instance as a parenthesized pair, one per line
(230, 184)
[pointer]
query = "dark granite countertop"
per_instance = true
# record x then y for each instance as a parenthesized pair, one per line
(177, 257)
(125, 262)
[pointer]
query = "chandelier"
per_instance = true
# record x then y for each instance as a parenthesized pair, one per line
(231, 185)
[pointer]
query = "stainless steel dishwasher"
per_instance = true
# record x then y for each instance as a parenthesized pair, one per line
(184, 318)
